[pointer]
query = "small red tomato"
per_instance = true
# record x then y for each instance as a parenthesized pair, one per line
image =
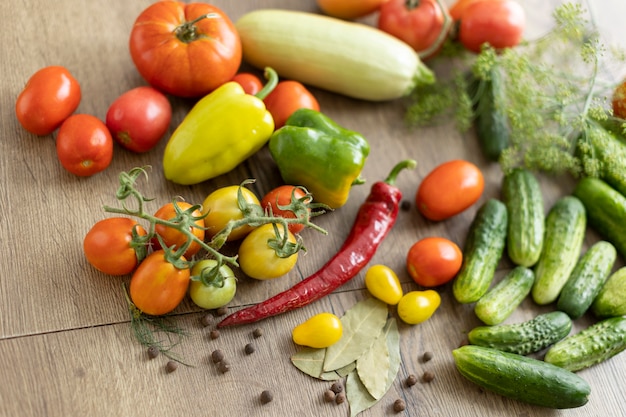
(619, 101)
(139, 118)
(421, 24)
(250, 83)
(458, 8)
(84, 145)
(499, 23)
(108, 245)
(433, 261)
(287, 97)
(281, 196)
(449, 189)
(172, 237)
(50, 96)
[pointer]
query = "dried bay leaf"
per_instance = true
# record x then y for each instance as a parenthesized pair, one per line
(309, 360)
(358, 396)
(338, 373)
(361, 325)
(373, 366)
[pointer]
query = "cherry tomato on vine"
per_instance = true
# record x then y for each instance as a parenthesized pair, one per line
(250, 83)
(221, 206)
(418, 306)
(619, 101)
(449, 189)
(110, 248)
(281, 196)
(433, 261)
(171, 236)
(214, 295)
(157, 287)
(185, 49)
(500, 23)
(349, 9)
(319, 331)
(420, 23)
(258, 260)
(139, 118)
(287, 97)
(383, 283)
(84, 145)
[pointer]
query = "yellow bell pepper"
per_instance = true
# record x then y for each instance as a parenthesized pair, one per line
(222, 130)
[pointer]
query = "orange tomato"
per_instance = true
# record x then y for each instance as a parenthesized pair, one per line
(449, 189)
(250, 83)
(349, 9)
(157, 287)
(172, 237)
(433, 261)
(499, 23)
(281, 197)
(287, 97)
(618, 101)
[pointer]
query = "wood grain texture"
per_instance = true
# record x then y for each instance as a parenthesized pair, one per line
(66, 348)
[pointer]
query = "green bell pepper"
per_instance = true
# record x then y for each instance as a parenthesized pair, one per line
(313, 151)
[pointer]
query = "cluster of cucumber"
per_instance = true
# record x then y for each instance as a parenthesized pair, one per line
(546, 250)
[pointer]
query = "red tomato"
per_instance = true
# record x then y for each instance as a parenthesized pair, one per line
(349, 9)
(287, 97)
(619, 101)
(422, 25)
(280, 197)
(433, 261)
(458, 8)
(84, 145)
(250, 83)
(157, 287)
(499, 23)
(186, 50)
(139, 118)
(49, 97)
(449, 189)
(109, 246)
(172, 237)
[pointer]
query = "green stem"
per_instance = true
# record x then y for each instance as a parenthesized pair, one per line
(443, 33)
(272, 80)
(188, 31)
(406, 164)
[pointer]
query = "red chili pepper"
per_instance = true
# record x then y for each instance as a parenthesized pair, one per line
(374, 220)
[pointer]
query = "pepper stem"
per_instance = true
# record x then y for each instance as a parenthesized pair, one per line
(272, 80)
(406, 164)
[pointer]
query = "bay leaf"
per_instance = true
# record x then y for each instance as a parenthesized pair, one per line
(361, 325)
(373, 366)
(338, 373)
(309, 360)
(357, 395)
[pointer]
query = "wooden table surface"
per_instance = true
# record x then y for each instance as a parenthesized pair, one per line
(66, 347)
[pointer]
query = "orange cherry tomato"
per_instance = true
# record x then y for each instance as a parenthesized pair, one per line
(157, 287)
(287, 97)
(183, 49)
(281, 196)
(49, 97)
(449, 189)
(349, 9)
(84, 145)
(172, 237)
(250, 83)
(499, 23)
(108, 245)
(433, 261)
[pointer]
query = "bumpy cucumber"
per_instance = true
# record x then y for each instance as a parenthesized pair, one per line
(611, 301)
(587, 279)
(522, 196)
(590, 346)
(500, 301)
(524, 338)
(521, 377)
(565, 229)
(606, 210)
(482, 252)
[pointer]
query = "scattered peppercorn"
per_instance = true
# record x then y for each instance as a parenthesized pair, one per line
(427, 356)
(206, 320)
(217, 356)
(257, 333)
(428, 376)
(336, 387)
(221, 311)
(171, 366)
(411, 380)
(249, 349)
(153, 352)
(405, 205)
(266, 397)
(329, 396)
(214, 334)
(399, 405)
(223, 366)
(340, 398)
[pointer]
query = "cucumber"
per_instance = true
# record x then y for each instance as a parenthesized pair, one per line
(349, 58)
(587, 279)
(499, 302)
(521, 377)
(611, 301)
(522, 196)
(565, 229)
(606, 210)
(482, 252)
(526, 337)
(590, 346)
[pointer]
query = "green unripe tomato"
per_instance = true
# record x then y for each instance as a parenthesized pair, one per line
(418, 306)
(215, 295)
(383, 283)
(320, 331)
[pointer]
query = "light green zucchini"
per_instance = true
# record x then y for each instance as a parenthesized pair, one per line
(349, 58)
(501, 300)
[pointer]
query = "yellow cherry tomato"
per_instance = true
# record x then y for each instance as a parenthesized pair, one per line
(221, 206)
(418, 306)
(320, 331)
(260, 261)
(383, 283)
